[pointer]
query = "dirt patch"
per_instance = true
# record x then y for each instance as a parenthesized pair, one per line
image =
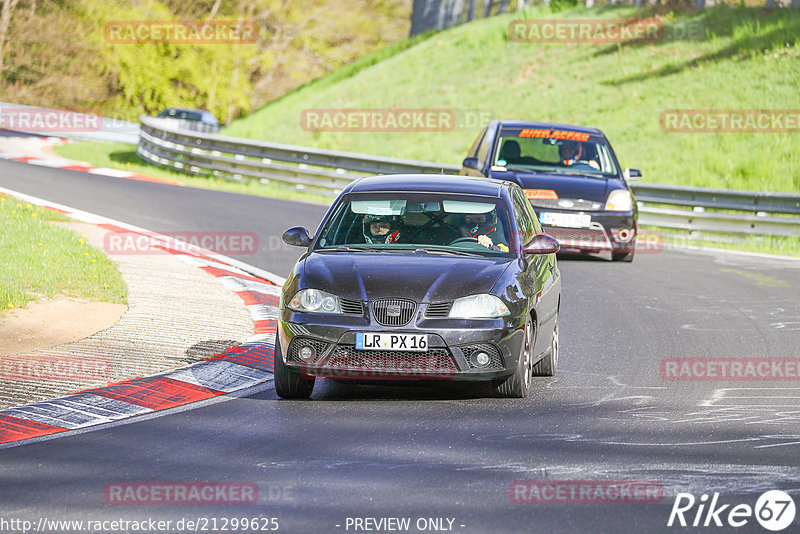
(48, 323)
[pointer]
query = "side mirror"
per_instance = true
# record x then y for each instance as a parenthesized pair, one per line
(632, 174)
(541, 244)
(297, 236)
(471, 162)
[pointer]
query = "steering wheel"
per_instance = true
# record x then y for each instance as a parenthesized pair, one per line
(466, 239)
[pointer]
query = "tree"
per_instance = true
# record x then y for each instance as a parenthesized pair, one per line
(5, 22)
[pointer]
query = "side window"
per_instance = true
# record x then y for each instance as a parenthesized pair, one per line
(483, 149)
(474, 149)
(524, 219)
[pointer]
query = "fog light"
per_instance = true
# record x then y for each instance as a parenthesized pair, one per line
(306, 352)
(479, 359)
(625, 234)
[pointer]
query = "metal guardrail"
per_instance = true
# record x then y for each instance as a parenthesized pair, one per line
(108, 129)
(328, 171)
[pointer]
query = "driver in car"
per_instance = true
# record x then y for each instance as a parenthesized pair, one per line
(381, 229)
(483, 226)
(571, 152)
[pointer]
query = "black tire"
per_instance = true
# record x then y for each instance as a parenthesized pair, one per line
(289, 384)
(626, 254)
(547, 365)
(518, 385)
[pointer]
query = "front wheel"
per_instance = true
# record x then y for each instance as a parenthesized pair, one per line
(518, 385)
(625, 255)
(289, 384)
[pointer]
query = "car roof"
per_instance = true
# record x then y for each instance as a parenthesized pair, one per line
(439, 183)
(192, 110)
(551, 126)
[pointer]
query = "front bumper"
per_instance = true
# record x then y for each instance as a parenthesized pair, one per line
(451, 343)
(607, 231)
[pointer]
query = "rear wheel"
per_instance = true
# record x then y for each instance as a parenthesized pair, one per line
(288, 383)
(518, 385)
(547, 365)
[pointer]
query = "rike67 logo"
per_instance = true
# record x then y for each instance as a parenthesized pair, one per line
(774, 511)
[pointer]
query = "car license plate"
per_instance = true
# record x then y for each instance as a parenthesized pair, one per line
(569, 220)
(375, 341)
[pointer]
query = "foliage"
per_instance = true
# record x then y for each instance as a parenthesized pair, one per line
(59, 54)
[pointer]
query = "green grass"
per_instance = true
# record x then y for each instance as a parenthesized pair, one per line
(123, 156)
(777, 245)
(747, 58)
(39, 259)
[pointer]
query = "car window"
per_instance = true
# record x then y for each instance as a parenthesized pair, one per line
(559, 151)
(524, 219)
(483, 149)
(408, 221)
(474, 148)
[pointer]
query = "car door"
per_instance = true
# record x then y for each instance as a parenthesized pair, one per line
(542, 272)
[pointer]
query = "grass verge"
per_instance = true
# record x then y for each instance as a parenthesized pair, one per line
(776, 245)
(123, 156)
(40, 259)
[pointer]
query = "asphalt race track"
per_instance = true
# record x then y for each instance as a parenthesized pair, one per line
(419, 452)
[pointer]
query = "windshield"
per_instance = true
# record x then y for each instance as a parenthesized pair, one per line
(559, 151)
(437, 223)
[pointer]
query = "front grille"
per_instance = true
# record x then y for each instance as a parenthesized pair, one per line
(495, 360)
(392, 362)
(579, 238)
(438, 310)
(577, 204)
(294, 349)
(351, 307)
(393, 312)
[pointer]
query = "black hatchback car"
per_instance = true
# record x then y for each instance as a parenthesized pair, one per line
(421, 278)
(571, 177)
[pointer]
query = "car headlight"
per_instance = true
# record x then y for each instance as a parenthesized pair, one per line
(315, 301)
(619, 200)
(478, 307)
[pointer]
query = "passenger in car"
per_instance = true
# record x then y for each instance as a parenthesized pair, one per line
(381, 228)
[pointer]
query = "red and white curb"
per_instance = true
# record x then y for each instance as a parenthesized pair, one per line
(238, 368)
(60, 163)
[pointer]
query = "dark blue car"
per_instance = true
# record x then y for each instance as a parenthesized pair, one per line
(421, 278)
(570, 176)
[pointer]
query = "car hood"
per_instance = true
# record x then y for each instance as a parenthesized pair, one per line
(566, 186)
(421, 277)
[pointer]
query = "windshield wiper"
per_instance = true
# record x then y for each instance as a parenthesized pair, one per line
(446, 251)
(348, 248)
(556, 170)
